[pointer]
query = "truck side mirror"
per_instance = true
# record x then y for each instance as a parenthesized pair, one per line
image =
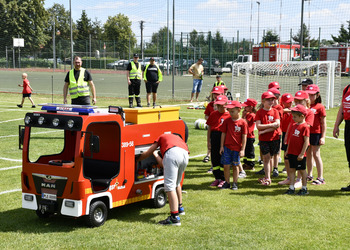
(95, 144)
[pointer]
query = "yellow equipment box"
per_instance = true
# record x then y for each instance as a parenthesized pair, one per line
(150, 115)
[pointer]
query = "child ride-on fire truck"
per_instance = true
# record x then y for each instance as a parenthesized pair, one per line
(79, 161)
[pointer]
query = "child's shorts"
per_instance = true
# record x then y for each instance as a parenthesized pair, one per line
(272, 147)
(294, 163)
(27, 95)
(315, 139)
(230, 157)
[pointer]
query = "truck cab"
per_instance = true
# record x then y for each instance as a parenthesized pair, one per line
(79, 161)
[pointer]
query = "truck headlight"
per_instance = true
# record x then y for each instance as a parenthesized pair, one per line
(41, 120)
(28, 197)
(69, 204)
(55, 122)
(27, 120)
(70, 123)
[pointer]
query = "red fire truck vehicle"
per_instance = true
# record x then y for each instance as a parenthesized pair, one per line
(274, 52)
(338, 54)
(78, 161)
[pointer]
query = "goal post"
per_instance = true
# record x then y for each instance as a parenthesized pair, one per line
(251, 79)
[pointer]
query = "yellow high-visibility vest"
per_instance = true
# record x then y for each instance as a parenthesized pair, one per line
(135, 73)
(160, 75)
(80, 87)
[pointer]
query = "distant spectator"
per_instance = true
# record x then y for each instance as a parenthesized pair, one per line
(197, 71)
(27, 91)
(305, 82)
(152, 77)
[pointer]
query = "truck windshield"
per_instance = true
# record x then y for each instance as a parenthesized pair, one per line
(45, 142)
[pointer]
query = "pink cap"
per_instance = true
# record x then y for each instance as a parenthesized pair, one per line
(223, 87)
(287, 98)
(301, 95)
(275, 91)
(250, 102)
(217, 90)
(274, 85)
(221, 100)
(267, 95)
(312, 89)
(233, 104)
(300, 108)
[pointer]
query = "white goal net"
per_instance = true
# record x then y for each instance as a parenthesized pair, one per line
(252, 79)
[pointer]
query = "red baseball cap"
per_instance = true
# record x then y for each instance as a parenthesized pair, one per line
(287, 98)
(223, 87)
(250, 102)
(233, 104)
(267, 95)
(312, 89)
(274, 85)
(275, 91)
(217, 90)
(300, 108)
(301, 95)
(221, 100)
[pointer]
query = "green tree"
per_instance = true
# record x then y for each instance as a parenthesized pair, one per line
(344, 34)
(84, 28)
(118, 28)
(306, 37)
(270, 36)
(160, 39)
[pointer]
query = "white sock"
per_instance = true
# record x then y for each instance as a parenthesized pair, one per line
(303, 187)
(291, 187)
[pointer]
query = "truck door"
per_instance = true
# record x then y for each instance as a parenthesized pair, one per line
(103, 166)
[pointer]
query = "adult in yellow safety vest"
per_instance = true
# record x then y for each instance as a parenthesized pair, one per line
(218, 81)
(152, 77)
(134, 77)
(79, 83)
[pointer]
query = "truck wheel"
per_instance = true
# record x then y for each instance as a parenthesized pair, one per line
(98, 214)
(160, 198)
(43, 214)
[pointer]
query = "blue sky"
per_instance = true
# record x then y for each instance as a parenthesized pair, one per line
(228, 16)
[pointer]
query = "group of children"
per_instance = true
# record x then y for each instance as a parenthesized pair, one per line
(301, 127)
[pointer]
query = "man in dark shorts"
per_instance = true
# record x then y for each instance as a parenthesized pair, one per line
(152, 77)
(134, 77)
(79, 82)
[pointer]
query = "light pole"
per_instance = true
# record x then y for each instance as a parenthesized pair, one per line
(302, 30)
(71, 33)
(257, 39)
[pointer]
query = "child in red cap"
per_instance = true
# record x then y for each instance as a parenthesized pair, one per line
(214, 123)
(298, 141)
(233, 141)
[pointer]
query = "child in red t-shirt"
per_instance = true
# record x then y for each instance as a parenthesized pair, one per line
(298, 141)
(27, 91)
(268, 122)
(317, 134)
(214, 123)
(248, 115)
(208, 110)
(233, 141)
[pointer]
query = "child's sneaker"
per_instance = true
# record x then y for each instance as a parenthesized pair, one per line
(221, 184)
(297, 183)
(275, 172)
(171, 221)
(318, 181)
(234, 186)
(19, 105)
(181, 211)
(225, 185)
(33, 106)
(284, 171)
(261, 172)
(210, 170)
(303, 192)
(290, 191)
(242, 174)
(309, 178)
(215, 183)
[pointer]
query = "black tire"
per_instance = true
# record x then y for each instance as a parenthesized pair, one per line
(160, 198)
(42, 214)
(98, 214)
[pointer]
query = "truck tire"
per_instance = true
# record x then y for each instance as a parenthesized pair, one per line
(160, 198)
(98, 214)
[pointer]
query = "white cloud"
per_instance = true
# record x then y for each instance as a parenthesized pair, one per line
(215, 4)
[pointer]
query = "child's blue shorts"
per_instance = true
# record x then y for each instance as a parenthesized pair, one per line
(230, 157)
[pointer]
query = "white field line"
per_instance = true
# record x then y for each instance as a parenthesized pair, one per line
(18, 119)
(8, 159)
(338, 139)
(10, 191)
(44, 132)
(196, 156)
(9, 168)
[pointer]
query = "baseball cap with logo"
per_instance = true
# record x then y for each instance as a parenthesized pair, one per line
(136, 55)
(300, 108)
(267, 95)
(301, 95)
(250, 102)
(287, 98)
(312, 89)
(223, 87)
(221, 100)
(233, 104)
(306, 81)
(275, 91)
(274, 85)
(217, 90)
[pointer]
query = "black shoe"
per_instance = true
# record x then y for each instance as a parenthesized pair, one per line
(345, 188)
(303, 192)
(261, 172)
(170, 221)
(275, 172)
(154, 105)
(290, 191)
(225, 186)
(139, 105)
(234, 186)
(148, 105)
(131, 106)
(19, 105)
(33, 106)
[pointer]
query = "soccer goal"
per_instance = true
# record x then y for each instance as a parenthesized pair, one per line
(251, 79)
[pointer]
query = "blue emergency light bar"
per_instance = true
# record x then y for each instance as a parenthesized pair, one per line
(81, 109)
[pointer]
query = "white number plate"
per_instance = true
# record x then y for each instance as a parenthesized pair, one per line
(51, 197)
